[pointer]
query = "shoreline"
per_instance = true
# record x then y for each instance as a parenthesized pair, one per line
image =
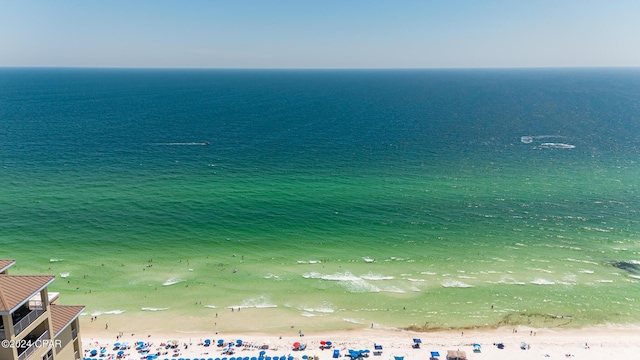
(594, 342)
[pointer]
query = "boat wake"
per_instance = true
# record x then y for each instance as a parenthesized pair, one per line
(540, 142)
(205, 143)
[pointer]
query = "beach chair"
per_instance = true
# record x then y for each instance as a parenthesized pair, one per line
(434, 355)
(398, 357)
(220, 343)
(477, 348)
(416, 343)
(377, 350)
(336, 353)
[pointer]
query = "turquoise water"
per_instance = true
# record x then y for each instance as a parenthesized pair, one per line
(442, 198)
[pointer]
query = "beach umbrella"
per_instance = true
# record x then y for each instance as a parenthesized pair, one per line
(254, 358)
(121, 352)
(296, 344)
(305, 357)
(239, 342)
(262, 352)
(328, 343)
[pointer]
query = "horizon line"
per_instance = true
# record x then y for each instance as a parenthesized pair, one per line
(321, 68)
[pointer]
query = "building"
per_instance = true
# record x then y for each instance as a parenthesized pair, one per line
(32, 325)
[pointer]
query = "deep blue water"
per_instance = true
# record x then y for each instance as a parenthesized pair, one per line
(421, 165)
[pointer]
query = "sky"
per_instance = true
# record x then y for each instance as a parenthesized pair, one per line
(320, 34)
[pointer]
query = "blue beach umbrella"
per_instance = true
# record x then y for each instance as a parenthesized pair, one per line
(305, 357)
(254, 358)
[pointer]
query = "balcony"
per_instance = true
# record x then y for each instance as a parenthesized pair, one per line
(27, 320)
(35, 345)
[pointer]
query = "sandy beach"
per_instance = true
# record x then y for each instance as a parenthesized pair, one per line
(585, 343)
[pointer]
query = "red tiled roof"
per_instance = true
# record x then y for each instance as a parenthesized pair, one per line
(18, 289)
(5, 264)
(63, 315)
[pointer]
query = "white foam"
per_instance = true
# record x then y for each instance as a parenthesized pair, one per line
(346, 276)
(540, 281)
(110, 312)
(271, 276)
(551, 145)
(351, 282)
(153, 309)
(427, 273)
(306, 314)
(260, 302)
(323, 310)
(510, 281)
(375, 277)
(54, 260)
(451, 283)
(172, 281)
(416, 280)
(526, 139)
(605, 281)
(586, 271)
(211, 306)
(184, 144)
(309, 261)
(368, 259)
(635, 276)
(64, 275)
(353, 321)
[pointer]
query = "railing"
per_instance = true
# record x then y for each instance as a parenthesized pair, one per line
(27, 320)
(2, 337)
(76, 355)
(35, 345)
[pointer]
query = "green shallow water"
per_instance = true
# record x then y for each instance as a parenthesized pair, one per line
(334, 200)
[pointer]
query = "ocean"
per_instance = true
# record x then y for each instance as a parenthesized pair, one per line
(422, 199)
